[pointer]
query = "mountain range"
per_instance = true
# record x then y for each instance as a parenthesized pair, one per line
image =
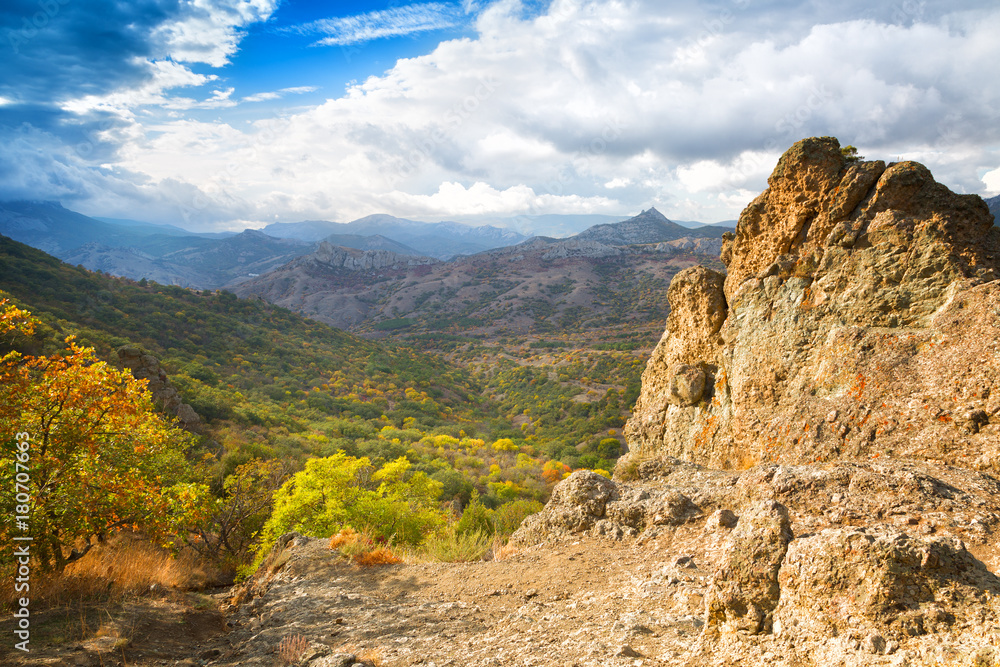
(169, 254)
(611, 275)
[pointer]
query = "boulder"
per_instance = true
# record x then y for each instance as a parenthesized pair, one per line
(145, 366)
(744, 590)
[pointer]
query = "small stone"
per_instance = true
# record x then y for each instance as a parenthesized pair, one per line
(721, 519)
(686, 562)
(874, 644)
(530, 593)
(627, 652)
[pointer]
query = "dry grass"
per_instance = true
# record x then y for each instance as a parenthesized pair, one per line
(291, 648)
(364, 550)
(126, 566)
(503, 550)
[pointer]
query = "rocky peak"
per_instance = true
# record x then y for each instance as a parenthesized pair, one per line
(363, 260)
(856, 318)
(817, 199)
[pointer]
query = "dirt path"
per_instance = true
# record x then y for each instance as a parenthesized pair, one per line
(580, 602)
(141, 632)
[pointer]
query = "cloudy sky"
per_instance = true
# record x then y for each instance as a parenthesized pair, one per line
(223, 114)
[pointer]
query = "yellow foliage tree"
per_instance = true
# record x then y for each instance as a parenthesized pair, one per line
(82, 444)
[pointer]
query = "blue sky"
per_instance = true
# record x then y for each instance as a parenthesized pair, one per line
(223, 114)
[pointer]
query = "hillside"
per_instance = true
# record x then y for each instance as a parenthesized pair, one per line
(541, 286)
(649, 226)
(269, 382)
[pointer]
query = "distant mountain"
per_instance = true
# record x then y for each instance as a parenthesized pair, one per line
(692, 224)
(442, 240)
(994, 204)
(376, 242)
(307, 230)
(48, 226)
(153, 228)
(133, 249)
(191, 261)
(650, 226)
(540, 285)
(559, 225)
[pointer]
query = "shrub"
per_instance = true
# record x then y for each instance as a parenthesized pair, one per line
(475, 518)
(507, 518)
(452, 546)
(341, 491)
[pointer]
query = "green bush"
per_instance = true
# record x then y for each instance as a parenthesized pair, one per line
(341, 491)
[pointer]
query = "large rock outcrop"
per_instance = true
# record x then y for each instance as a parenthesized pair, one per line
(859, 317)
(147, 367)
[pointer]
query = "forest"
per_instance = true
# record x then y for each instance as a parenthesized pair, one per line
(455, 434)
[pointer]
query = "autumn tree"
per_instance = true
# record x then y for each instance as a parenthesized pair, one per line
(99, 455)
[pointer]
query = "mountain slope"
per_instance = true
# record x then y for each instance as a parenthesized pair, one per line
(650, 226)
(994, 204)
(541, 285)
(57, 230)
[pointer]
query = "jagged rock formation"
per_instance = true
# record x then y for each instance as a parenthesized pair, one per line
(147, 367)
(339, 257)
(858, 317)
(689, 244)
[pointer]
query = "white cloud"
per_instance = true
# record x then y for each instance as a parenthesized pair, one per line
(678, 106)
(482, 199)
(392, 22)
(992, 181)
(209, 31)
(275, 95)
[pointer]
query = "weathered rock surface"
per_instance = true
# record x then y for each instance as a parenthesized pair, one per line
(859, 316)
(147, 367)
(689, 244)
(744, 590)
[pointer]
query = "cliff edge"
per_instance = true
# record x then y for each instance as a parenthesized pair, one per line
(859, 317)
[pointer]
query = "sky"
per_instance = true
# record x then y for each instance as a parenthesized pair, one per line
(227, 114)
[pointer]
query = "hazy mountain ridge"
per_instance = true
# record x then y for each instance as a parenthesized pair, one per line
(442, 240)
(171, 255)
(650, 226)
(541, 284)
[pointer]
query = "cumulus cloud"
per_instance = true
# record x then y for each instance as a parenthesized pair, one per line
(683, 106)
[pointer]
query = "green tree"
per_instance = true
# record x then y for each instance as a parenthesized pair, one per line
(850, 154)
(342, 491)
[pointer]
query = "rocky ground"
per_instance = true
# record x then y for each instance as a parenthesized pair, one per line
(831, 564)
